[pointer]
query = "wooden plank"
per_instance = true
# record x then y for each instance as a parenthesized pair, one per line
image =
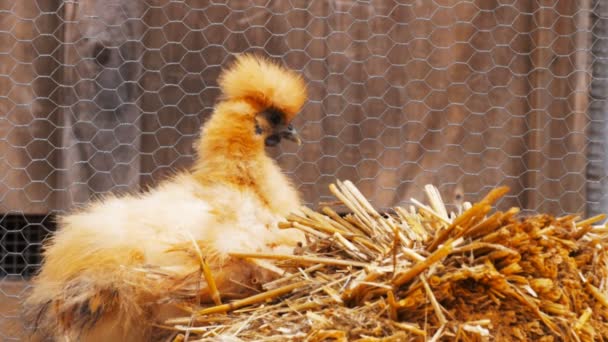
(597, 171)
(178, 75)
(97, 92)
(26, 137)
(299, 40)
(558, 109)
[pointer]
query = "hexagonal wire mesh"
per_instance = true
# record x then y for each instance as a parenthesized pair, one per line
(99, 96)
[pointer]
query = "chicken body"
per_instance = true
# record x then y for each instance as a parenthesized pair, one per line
(91, 286)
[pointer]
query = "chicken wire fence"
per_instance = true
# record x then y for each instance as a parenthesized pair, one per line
(108, 96)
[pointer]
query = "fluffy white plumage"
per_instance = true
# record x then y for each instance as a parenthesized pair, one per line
(91, 287)
(175, 213)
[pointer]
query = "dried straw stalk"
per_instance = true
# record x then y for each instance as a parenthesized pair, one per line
(421, 274)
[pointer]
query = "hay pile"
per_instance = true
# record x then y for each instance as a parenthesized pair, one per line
(424, 274)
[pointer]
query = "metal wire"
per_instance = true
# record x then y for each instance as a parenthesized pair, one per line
(108, 96)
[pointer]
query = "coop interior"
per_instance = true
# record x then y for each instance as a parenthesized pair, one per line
(100, 97)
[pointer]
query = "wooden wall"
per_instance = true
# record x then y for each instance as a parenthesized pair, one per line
(99, 96)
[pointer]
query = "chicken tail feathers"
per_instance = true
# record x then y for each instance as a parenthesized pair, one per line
(82, 310)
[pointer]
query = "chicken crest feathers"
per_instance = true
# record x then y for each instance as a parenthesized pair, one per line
(265, 82)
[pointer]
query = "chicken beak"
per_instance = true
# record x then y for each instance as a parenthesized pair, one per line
(290, 133)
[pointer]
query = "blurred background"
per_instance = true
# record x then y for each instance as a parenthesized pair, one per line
(108, 95)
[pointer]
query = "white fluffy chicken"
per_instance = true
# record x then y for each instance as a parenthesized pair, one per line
(91, 287)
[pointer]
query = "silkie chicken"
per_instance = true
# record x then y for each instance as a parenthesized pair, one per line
(97, 281)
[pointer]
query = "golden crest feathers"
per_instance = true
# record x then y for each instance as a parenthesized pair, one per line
(265, 82)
